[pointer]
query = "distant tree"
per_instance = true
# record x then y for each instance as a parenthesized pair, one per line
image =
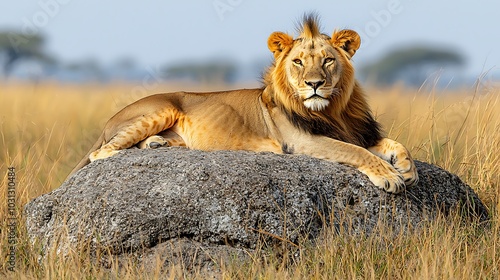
(15, 46)
(411, 64)
(87, 69)
(125, 68)
(208, 73)
(125, 63)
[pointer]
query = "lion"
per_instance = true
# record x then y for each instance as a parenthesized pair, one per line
(310, 104)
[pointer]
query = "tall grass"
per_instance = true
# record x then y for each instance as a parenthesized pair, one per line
(46, 129)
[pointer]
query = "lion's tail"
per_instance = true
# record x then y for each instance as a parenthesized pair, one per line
(85, 160)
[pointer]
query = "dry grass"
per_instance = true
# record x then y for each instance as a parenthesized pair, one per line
(46, 128)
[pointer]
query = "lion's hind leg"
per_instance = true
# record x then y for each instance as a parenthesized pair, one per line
(152, 142)
(134, 132)
(399, 157)
(166, 138)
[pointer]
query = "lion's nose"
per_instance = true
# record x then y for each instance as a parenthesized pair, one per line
(315, 84)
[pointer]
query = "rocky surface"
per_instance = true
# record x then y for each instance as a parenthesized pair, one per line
(226, 202)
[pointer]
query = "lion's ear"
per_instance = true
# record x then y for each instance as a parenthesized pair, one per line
(346, 39)
(279, 41)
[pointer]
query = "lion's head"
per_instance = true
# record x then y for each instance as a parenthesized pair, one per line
(313, 69)
(312, 81)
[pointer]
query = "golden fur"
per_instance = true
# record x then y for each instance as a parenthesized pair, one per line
(310, 104)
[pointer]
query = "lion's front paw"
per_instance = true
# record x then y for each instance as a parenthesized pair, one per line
(405, 165)
(152, 142)
(384, 176)
(398, 156)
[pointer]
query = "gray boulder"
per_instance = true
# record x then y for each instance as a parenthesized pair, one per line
(226, 202)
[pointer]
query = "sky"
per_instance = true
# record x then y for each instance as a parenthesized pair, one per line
(155, 32)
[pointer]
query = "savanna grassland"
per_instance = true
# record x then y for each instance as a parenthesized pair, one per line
(47, 127)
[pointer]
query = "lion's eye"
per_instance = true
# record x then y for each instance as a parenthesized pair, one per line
(297, 61)
(328, 60)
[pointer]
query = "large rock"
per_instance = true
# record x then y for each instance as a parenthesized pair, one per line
(227, 201)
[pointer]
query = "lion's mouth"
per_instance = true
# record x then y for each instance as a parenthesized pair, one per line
(315, 96)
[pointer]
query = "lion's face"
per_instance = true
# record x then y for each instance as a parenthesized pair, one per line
(312, 71)
(313, 65)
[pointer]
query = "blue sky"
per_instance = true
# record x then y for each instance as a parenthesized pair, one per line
(155, 32)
